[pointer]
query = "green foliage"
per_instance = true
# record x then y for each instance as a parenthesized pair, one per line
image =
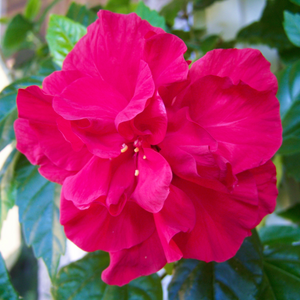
(201, 4)
(7, 292)
(62, 35)
(151, 16)
(80, 13)
(258, 271)
(82, 280)
(7, 186)
(48, 66)
(119, 6)
(292, 27)
(38, 201)
(16, 33)
(292, 213)
(171, 10)
(32, 9)
(296, 1)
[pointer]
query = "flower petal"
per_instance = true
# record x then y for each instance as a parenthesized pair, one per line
(141, 260)
(95, 229)
(247, 65)
(154, 179)
(242, 120)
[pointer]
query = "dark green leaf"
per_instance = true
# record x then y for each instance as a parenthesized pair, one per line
(237, 278)
(16, 33)
(151, 16)
(47, 67)
(96, 8)
(296, 1)
(292, 164)
(291, 26)
(8, 111)
(269, 30)
(116, 5)
(7, 186)
(7, 292)
(272, 235)
(289, 56)
(209, 43)
(289, 97)
(82, 280)
(32, 9)
(201, 4)
(38, 201)
(171, 10)
(62, 35)
(292, 213)
(79, 13)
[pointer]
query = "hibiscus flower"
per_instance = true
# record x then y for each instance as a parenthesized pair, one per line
(156, 162)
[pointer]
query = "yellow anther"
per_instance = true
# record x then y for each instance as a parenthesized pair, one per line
(124, 149)
(136, 150)
(144, 157)
(136, 173)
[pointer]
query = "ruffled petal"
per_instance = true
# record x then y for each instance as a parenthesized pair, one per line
(54, 173)
(154, 179)
(223, 220)
(246, 65)
(245, 122)
(141, 260)
(95, 229)
(101, 52)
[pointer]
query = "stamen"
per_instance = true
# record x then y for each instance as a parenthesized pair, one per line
(136, 150)
(124, 149)
(144, 157)
(136, 173)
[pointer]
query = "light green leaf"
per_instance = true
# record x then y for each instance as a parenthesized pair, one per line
(79, 13)
(7, 291)
(151, 16)
(7, 186)
(8, 110)
(16, 33)
(62, 35)
(272, 235)
(291, 26)
(38, 201)
(237, 278)
(82, 280)
(32, 8)
(116, 5)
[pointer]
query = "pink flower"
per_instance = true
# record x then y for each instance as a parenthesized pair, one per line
(156, 162)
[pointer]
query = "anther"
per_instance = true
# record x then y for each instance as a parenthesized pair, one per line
(136, 150)
(124, 149)
(144, 157)
(136, 173)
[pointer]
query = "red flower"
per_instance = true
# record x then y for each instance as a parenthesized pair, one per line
(154, 166)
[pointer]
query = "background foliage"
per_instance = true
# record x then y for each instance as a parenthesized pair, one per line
(267, 266)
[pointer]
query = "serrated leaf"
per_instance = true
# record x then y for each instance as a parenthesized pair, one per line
(79, 13)
(291, 26)
(237, 278)
(278, 235)
(8, 110)
(7, 291)
(62, 35)
(7, 186)
(292, 213)
(269, 29)
(38, 201)
(151, 16)
(32, 8)
(82, 280)
(16, 33)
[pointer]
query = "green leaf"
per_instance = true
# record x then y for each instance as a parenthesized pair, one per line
(296, 1)
(272, 235)
(32, 9)
(80, 13)
(291, 26)
(292, 165)
(151, 16)
(47, 67)
(82, 280)
(62, 35)
(16, 33)
(292, 213)
(116, 5)
(7, 186)
(289, 98)
(38, 201)
(201, 4)
(171, 10)
(7, 291)
(237, 278)
(269, 29)
(8, 110)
